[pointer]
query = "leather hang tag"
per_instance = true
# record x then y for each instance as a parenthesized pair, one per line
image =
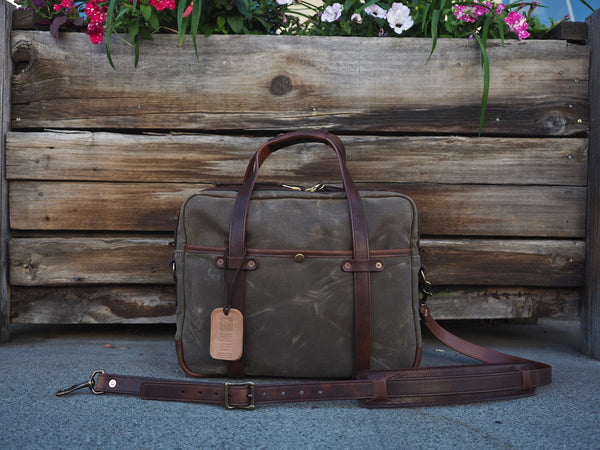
(226, 334)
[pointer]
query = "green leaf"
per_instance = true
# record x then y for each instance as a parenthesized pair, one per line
(221, 23)
(486, 80)
(236, 23)
(146, 11)
(154, 22)
(134, 28)
(435, 18)
(181, 29)
(586, 4)
(196, 9)
(136, 44)
(109, 24)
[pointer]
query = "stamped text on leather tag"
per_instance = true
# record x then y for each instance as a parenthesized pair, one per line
(226, 334)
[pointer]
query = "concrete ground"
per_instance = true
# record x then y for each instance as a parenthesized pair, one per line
(41, 359)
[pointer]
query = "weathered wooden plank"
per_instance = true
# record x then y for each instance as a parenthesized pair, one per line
(68, 261)
(206, 158)
(341, 83)
(65, 261)
(460, 302)
(97, 206)
(94, 304)
(493, 262)
(156, 304)
(590, 318)
(471, 210)
(570, 31)
(6, 69)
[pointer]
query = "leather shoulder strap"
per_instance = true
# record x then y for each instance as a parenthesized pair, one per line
(504, 376)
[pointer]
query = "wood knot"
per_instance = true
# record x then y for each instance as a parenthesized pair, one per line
(22, 56)
(281, 85)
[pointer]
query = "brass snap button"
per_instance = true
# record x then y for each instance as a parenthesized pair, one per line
(299, 258)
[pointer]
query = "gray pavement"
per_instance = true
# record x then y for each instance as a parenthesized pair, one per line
(42, 359)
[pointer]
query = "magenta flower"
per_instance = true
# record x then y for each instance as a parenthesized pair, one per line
(518, 24)
(470, 13)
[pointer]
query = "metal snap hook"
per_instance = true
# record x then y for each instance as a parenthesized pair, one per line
(91, 384)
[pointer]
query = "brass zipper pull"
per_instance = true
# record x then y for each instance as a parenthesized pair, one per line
(293, 188)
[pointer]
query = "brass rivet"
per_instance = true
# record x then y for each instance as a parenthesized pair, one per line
(251, 264)
(220, 262)
(347, 265)
(378, 265)
(299, 258)
(112, 383)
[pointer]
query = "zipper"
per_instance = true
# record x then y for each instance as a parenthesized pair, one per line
(308, 253)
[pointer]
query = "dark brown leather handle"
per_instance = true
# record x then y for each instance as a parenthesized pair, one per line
(292, 138)
(358, 224)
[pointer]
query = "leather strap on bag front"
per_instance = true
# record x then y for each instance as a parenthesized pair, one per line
(360, 238)
(505, 376)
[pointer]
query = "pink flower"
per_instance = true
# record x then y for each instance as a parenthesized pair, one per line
(97, 16)
(67, 4)
(162, 4)
(285, 2)
(470, 13)
(96, 32)
(188, 10)
(518, 24)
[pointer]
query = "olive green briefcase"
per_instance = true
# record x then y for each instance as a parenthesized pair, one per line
(274, 282)
(290, 283)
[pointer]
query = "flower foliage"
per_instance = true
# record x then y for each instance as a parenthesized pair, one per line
(132, 20)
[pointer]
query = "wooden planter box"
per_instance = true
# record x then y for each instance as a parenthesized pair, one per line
(97, 161)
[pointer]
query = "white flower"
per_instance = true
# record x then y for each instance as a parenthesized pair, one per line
(332, 13)
(356, 18)
(285, 2)
(399, 18)
(376, 11)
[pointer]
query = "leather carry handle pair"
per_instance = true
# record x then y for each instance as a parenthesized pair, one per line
(504, 377)
(358, 225)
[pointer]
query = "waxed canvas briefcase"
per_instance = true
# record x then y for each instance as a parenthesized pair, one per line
(280, 282)
(325, 284)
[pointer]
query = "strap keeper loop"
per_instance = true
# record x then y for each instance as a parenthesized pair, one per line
(526, 379)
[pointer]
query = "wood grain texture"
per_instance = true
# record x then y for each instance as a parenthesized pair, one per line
(68, 261)
(6, 12)
(200, 158)
(76, 261)
(538, 88)
(495, 262)
(156, 304)
(590, 318)
(540, 211)
(94, 304)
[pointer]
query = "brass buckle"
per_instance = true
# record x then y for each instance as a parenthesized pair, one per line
(251, 396)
